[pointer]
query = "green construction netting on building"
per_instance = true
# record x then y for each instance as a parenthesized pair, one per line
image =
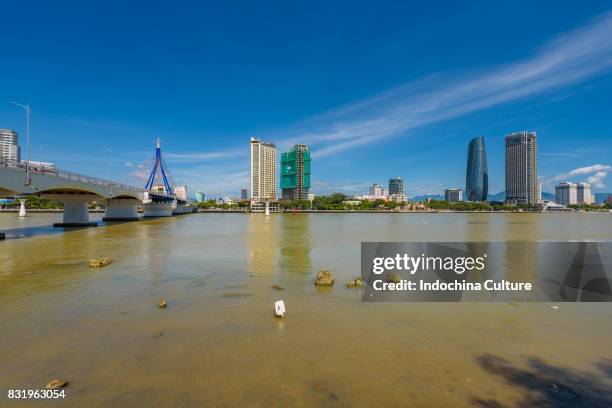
(289, 169)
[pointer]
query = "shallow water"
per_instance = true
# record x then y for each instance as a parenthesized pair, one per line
(221, 346)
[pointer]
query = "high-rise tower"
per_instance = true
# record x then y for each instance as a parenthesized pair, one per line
(521, 168)
(477, 174)
(9, 145)
(396, 186)
(263, 171)
(295, 173)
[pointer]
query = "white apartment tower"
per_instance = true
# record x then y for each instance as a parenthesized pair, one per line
(9, 145)
(583, 193)
(566, 193)
(263, 171)
(521, 168)
(377, 191)
(180, 192)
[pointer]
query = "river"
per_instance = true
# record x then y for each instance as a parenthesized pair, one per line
(218, 344)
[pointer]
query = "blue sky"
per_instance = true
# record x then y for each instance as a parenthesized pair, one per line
(377, 89)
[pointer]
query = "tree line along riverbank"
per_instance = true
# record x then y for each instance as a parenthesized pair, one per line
(334, 203)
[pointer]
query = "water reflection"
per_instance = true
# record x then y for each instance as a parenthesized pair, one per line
(262, 241)
(295, 244)
(155, 244)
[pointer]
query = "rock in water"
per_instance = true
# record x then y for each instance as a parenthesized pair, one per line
(56, 384)
(393, 278)
(235, 295)
(319, 387)
(279, 308)
(162, 304)
(324, 278)
(277, 287)
(98, 263)
(355, 283)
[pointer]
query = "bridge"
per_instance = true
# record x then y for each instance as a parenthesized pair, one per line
(76, 191)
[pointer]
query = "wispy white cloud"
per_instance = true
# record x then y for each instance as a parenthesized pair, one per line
(575, 152)
(569, 59)
(596, 180)
(214, 180)
(199, 157)
(140, 173)
(597, 172)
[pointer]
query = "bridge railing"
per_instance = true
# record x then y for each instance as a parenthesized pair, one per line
(41, 168)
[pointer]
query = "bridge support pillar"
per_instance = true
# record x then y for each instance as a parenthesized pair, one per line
(121, 209)
(22, 208)
(181, 208)
(158, 209)
(76, 212)
(178, 209)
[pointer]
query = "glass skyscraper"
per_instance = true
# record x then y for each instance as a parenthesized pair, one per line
(396, 186)
(477, 176)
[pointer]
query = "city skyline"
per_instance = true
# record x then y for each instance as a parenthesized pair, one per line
(399, 110)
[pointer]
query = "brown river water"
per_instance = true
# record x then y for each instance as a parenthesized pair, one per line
(218, 344)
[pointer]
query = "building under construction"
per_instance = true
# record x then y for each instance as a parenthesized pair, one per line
(295, 173)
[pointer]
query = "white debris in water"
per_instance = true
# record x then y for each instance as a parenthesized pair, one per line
(554, 307)
(279, 308)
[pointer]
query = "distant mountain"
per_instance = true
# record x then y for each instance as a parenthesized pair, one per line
(423, 198)
(601, 197)
(501, 196)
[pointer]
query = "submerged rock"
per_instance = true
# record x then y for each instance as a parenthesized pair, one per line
(98, 263)
(277, 287)
(235, 295)
(56, 384)
(158, 334)
(393, 278)
(319, 387)
(324, 278)
(162, 304)
(355, 283)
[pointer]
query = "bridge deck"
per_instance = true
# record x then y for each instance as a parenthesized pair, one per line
(46, 179)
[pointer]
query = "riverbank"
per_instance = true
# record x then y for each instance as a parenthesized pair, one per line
(239, 211)
(401, 211)
(43, 210)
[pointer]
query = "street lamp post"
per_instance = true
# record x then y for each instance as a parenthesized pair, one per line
(26, 107)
